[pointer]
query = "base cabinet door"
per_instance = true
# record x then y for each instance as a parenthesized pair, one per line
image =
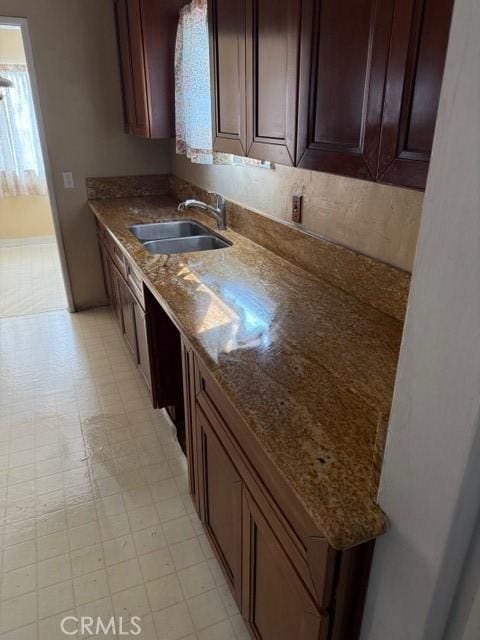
(189, 412)
(220, 501)
(116, 284)
(106, 271)
(276, 603)
(142, 344)
(128, 314)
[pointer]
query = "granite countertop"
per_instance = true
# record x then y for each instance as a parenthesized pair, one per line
(309, 367)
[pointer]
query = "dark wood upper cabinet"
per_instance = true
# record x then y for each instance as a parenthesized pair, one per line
(227, 57)
(123, 31)
(344, 54)
(345, 87)
(414, 77)
(272, 54)
(146, 34)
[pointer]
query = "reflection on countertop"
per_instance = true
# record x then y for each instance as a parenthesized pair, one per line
(309, 367)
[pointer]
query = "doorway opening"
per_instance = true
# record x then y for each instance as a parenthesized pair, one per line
(32, 263)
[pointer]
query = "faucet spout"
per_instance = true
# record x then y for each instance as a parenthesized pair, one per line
(217, 212)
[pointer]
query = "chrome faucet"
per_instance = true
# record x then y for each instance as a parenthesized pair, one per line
(218, 211)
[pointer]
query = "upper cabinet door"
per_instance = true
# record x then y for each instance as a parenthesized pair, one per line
(344, 53)
(141, 124)
(227, 54)
(146, 33)
(123, 30)
(415, 71)
(272, 55)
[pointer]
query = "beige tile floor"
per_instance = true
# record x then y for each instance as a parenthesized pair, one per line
(30, 280)
(96, 519)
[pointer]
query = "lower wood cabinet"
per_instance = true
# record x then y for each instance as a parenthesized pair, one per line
(124, 289)
(286, 579)
(288, 582)
(128, 304)
(143, 355)
(220, 501)
(276, 603)
(189, 407)
(116, 285)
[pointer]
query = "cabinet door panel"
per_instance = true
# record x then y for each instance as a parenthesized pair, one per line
(126, 64)
(344, 54)
(221, 501)
(142, 344)
(273, 36)
(128, 314)
(276, 603)
(227, 54)
(141, 125)
(106, 271)
(116, 281)
(189, 411)
(415, 71)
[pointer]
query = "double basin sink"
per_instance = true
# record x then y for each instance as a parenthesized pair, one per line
(179, 236)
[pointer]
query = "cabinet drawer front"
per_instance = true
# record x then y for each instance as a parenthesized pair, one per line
(135, 282)
(116, 254)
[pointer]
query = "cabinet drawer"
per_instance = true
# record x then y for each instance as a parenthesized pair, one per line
(135, 283)
(116, 254)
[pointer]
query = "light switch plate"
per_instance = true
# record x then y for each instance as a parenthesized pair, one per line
(68, 180)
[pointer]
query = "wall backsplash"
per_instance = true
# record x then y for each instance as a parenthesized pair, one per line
(378, 220)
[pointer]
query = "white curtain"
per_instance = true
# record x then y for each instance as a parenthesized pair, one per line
(193, 114)
(21, 165)
(193, 106)
(193, 102)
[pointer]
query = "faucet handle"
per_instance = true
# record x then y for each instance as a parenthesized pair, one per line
(181, 206)
(219, 200)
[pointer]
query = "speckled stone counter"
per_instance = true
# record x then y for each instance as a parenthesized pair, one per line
(309, 367)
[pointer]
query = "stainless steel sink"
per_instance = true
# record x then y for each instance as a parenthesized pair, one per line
(178, 236)
(187, 244)
(164, 230)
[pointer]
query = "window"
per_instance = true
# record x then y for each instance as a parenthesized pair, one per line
(21, 163)
(193, 107)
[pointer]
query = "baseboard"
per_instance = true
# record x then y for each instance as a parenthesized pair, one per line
(20, 242)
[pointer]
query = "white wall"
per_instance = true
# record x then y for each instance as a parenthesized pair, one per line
(76, 59)
(464, 618)
(430, 485)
